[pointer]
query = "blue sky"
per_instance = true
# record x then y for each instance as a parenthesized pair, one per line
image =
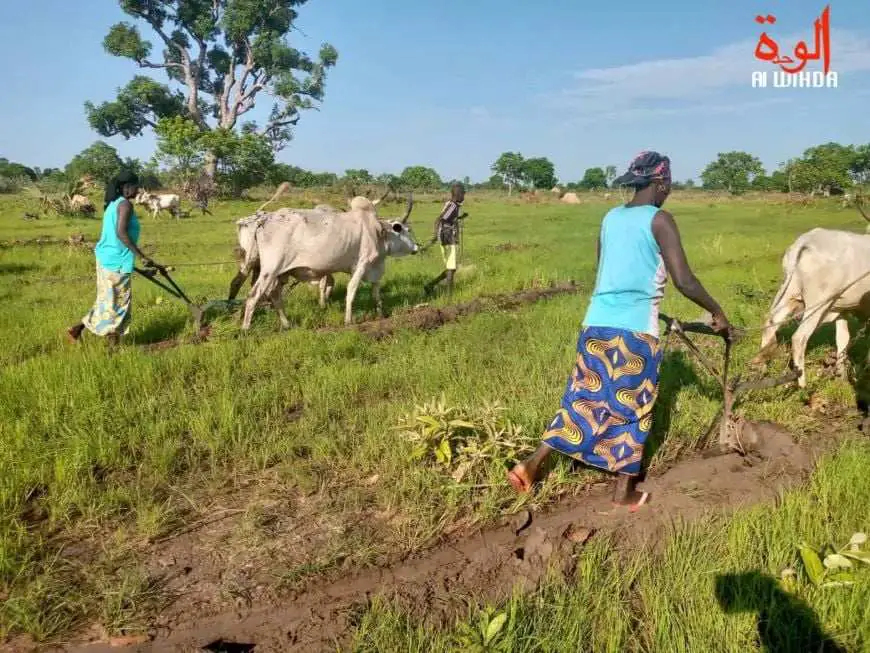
(454, 83)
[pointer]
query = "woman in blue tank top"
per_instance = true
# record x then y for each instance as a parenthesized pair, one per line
(606, 411)
(115, 253)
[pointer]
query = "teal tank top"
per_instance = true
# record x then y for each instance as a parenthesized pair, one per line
(111, 253)
(631, 276)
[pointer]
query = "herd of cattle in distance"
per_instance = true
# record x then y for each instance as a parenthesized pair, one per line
(826, 272)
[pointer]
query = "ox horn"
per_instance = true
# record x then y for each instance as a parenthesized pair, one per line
(859, 204)
(278, 193)
(382, 197)
(408, 208)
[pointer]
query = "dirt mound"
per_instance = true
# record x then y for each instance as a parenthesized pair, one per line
(433, 584)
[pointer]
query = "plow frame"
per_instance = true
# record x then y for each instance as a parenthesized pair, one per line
(730, 425)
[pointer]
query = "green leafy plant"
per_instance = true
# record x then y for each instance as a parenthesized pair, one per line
(483, 636)
(462, 440)
(832, 567)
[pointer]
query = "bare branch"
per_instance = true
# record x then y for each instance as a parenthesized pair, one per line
(244, 98)
(149, 64)
(248, 98)
(185, 66)
(229, 82)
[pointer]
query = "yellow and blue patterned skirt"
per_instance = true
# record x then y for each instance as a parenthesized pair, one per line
(606, 412)
(111, 311)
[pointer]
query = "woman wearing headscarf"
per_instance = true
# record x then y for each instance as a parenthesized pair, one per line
(115, 254)
(606, 410)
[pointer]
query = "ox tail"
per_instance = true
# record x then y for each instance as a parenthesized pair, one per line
(788, 302)
(278, 193)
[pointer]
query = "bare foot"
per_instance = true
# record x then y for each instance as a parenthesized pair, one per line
(519, 478)
(74, 333)
(626, 493)
(633, 499)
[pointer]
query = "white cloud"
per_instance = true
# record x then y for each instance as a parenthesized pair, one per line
(689, 84)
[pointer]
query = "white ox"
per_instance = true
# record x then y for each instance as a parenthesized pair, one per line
(310, 245)
(827, 276)
(156, 203)
(248, 256)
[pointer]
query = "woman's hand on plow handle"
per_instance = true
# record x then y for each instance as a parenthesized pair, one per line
(154, 265)
(723, 327)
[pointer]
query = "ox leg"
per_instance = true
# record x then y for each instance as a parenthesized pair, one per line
(239, 280)
(352, 287)
(777, 317)
(264, 286)
(236, 285)
(799, 343)
(330, 286)
(327, 283)
(376, 295)
(842, 327)
(277, 299)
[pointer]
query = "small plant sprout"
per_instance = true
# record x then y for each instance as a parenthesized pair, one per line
(837, 568)
(460, 440)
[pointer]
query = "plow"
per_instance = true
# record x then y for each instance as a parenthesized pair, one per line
(735, 432)
(161, 278)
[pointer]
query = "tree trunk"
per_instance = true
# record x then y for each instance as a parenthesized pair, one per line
(211, 164)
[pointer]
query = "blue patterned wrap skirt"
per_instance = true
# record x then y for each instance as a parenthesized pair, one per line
(606, 413)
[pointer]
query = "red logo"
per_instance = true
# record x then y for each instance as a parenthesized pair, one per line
(768, 50)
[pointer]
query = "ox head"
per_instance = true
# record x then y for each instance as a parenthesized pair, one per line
(399, 236)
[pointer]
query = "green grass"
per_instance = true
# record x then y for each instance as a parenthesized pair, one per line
(100, 453)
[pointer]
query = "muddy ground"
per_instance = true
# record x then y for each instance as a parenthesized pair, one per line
(435, 584)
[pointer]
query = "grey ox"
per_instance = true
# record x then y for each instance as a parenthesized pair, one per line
(311, 245)
(827, 276)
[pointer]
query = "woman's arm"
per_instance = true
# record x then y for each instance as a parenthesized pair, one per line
(667, 235)
(125, 210)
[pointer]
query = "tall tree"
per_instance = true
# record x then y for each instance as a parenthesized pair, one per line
(509, 166)
(12, 170)
(539, 172)
(593, 179)
(830, 165)
(358, 176)
(860, 168)
(179, 146)
(610, 174)
(100, 161)
(420, 178)
(223, 54)
(732, 171)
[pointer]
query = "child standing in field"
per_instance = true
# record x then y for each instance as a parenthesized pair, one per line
(447, 232)
(606, 412)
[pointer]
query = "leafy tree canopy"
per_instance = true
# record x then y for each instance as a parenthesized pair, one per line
(220, 56)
